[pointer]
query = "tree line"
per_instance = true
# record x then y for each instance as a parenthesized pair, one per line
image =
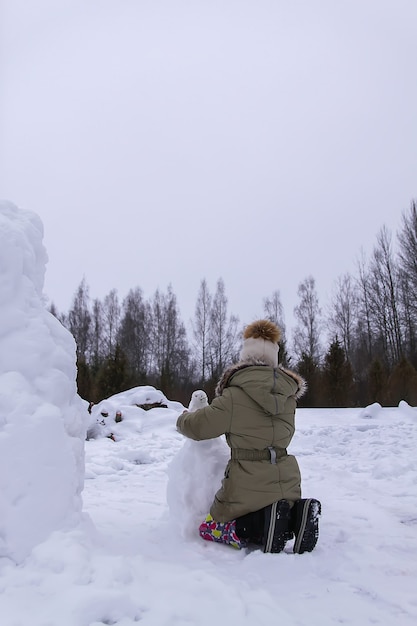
(361, 349)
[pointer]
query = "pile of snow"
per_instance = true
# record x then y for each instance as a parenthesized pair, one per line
(194, 476)
(122, 414)
(41, 427)
(371, 411)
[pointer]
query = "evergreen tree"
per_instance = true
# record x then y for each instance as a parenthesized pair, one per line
(377, 383)
(308, 368)
(337, 377)
(402, 383)
(113, 376)
(84, 379)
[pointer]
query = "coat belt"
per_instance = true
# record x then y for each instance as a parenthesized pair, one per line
(267, 454)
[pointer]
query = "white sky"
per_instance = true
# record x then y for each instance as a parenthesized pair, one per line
(165, 142)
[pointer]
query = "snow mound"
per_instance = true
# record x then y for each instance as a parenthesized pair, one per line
(194, 475)
(408, 410)
(42, 430)
(371, 411)
(124, 413)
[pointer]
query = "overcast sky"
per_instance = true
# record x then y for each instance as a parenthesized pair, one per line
(167, 141)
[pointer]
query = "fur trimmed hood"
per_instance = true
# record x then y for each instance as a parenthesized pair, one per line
(236, 367)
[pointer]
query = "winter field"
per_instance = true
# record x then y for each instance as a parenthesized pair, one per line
(104, 530)
(360, 464)
(134, 559)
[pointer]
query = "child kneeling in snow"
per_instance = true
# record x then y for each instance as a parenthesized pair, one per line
(260, 497)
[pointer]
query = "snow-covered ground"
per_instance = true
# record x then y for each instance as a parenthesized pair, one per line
(125, 549)
(128, 563)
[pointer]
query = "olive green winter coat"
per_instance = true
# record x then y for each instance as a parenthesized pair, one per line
(255, 408)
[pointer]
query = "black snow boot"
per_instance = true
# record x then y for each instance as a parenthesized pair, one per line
(277, 526)
(305, 524)
(251, 527)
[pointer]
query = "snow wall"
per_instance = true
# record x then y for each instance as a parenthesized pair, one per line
(42, 431)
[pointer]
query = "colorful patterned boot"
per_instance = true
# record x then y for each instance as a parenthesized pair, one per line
(223, 532)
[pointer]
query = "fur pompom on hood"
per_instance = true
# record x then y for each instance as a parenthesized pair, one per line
(263, 329)
(260, 341)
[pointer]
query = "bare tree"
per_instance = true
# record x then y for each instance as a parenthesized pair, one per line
(79, 320)
(407, 261)
(308, 313)
(343, 312)
(97, 349)
(274, 310)
(385, 298)
(223, 332)
(111, 319)
(170, 353)
(133, 332)
(407, 238)
(408, 317)
(201, 329)
(364, 335)
(177, 347)
(157, 337)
